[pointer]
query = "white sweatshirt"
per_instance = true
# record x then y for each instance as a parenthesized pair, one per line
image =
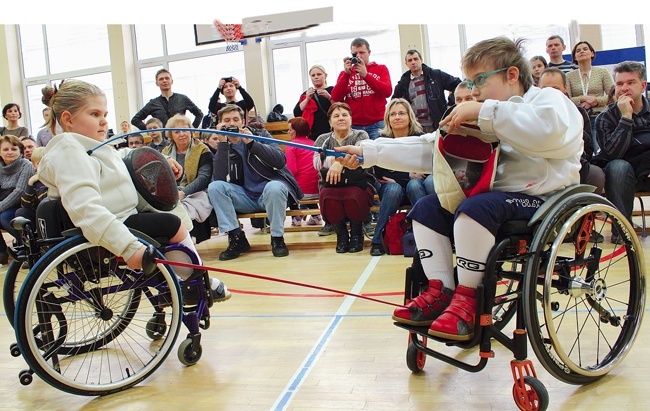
(540, 136)
(96, 190)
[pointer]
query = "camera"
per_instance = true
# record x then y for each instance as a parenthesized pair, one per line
(227, 79)
(355, 59)
(232, 129)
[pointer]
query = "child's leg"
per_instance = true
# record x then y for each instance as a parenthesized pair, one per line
(435, 253)
(471, 255)
(477, 222)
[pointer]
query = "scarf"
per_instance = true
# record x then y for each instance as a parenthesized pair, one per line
(192, 157)
(310, 109)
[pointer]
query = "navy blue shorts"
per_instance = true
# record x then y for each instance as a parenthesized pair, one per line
(491, 210)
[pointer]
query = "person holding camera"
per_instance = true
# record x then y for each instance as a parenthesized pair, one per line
(249, 176)
(314, 103)
(364, 86)
(228, 86)
(424, 87)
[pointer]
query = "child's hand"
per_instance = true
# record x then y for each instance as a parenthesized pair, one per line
(351, 160)
(464, 112)
(177, 169)
(135, 262)
(32, 180)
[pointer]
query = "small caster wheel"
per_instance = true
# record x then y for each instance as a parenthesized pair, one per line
(188, 353)
(415, 359)
(533, 397)
(156, 328)
(15, 351)
(25, 377)
(555, 306)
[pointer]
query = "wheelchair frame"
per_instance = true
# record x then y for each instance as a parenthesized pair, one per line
(541, 283)
(77, 308)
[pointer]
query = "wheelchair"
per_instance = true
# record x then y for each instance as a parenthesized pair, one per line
(578, 299)
(87, 324)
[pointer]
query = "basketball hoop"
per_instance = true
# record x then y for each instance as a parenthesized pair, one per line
(231, 33)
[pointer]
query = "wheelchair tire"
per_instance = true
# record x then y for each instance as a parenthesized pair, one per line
(14, 278)
(81, 319)
(583, 299)
(416, 359)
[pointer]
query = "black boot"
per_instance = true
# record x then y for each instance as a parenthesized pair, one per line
(342, 237)
(278, 247)
(237, 244)
(356, 236)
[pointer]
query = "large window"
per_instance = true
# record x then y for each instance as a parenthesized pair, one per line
(444, 48)
(535, 35)
(196, 70)
(60, 60)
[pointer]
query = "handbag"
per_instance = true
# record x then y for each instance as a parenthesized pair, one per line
(349, 178)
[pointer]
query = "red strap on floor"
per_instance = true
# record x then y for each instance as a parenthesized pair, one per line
(263, 277)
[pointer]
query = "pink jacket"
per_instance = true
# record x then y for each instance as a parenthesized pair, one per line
(300, 162)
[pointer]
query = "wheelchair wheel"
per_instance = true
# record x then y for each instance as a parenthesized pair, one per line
(82, 315)
(415, 359)
(583, 299)
(14, 279)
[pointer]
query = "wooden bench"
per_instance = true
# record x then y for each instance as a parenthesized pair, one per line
(279, 130)
(291, 213)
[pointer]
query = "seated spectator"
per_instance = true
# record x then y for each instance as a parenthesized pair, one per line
(300, 163)
(135, 141)
(211, 140)
(537, 64)
(44, 135)
(249, 176)
(158, 140)
(196, 160)
(15, 171)
(29, 145)
(396, 188)
(589, 173)
(462, 93)
(345, 194)
(11, 112)
(35, 192)
(623, 132)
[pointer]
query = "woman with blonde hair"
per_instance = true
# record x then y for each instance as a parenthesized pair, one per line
(396, 188)
(196, 159)
(315, 102)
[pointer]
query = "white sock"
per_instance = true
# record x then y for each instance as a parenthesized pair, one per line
(473, 245)
(214, 283)
(435, 254)
(187, 242)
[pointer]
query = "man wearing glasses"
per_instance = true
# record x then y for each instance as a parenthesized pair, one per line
(424, 88)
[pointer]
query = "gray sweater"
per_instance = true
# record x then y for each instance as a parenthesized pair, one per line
(14, 176)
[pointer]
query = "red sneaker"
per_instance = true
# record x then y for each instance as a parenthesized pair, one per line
(426, 307)
(457, 321)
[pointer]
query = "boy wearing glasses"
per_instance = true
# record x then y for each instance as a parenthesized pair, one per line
(540, 135)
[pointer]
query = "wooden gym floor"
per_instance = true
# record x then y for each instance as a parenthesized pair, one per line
(276, 346)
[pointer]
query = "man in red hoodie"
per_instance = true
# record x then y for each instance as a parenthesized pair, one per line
(364, 86)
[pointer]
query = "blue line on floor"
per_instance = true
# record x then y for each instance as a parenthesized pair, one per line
(301, 374)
